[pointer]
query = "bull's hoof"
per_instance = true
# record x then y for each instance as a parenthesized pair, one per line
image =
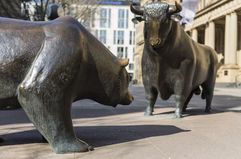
(90, 148)
(148, 113)
(208, 110)
(1, 140)
(184, 109)
(76, 146)
(178, 116)
(178, 113)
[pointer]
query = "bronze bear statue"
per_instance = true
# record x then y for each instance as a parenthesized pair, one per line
(45, 66)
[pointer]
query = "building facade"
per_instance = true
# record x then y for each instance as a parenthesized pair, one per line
(111, 24)
(218, 25)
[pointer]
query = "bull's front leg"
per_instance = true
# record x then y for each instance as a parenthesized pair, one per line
(151, 97)
(184, 109)
(183, 86)
(180, 97)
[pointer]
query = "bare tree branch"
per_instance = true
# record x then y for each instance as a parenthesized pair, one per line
(83, 9)
(45, 8)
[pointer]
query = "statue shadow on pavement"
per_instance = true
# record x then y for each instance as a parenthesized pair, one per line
(220, 104)
(91, 109)
(99, 136)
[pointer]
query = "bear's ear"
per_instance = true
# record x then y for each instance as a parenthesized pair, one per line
(137, 19)
(123, 62)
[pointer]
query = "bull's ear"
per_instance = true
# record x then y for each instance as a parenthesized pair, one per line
(137, 19)
(123, 62)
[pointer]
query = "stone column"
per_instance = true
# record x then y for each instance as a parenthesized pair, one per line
(234, 38)
(194, 34)
(211, 34)
(206, 38)
(230, 69)
(231, 30)
(227, 39)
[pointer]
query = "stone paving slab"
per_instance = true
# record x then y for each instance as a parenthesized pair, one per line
(124, 133)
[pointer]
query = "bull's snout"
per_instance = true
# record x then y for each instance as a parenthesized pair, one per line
(155, 41)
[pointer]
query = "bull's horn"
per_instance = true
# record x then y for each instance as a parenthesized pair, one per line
(136, 11)
(123, 62)
(175, 9)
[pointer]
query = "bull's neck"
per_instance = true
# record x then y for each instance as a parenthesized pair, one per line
(177, 39)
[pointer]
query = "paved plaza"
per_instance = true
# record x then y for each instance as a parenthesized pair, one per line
(124, 133)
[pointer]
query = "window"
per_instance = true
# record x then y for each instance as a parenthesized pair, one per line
(105, 18)
(109, 18)
(225, 73)
(114, 37)
(93, 19)
(102, 36)
(97, 33)
(132, 38)
(131, 66)
(126, 52)
(120, 52)
(120, 37)
(127, 18)
(123, 18)
(133, 57)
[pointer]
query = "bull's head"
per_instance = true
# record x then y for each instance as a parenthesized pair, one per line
(157, 16)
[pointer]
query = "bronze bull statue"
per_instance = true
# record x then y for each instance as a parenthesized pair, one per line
(45, 66)
(173, 63)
